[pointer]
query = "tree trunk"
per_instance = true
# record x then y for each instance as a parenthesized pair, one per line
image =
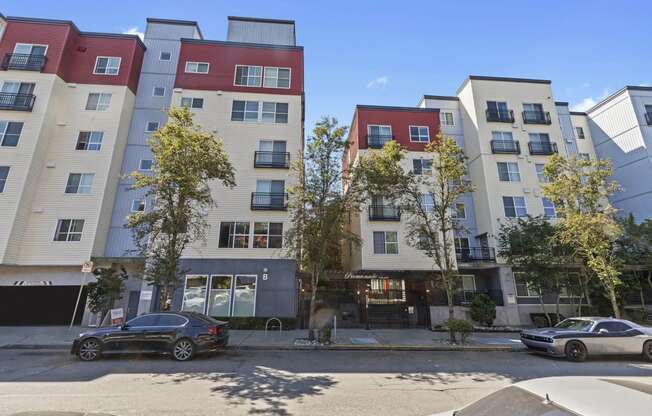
(451, 306)
(614, 302)
(543, 309)
(313, 306)
(558, 297)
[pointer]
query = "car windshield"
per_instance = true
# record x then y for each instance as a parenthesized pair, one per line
(512, 401)
(575, 324)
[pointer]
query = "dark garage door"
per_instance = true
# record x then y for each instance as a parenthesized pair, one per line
(40, 305)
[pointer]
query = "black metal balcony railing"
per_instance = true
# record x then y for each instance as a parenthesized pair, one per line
(384, 213)
(542, 148)
(648, 118)
(271, 159)
(23, 61)
(377, 141)
(18, 102)
(465, 297)
(505, 116)
(536, 117)
(506, 147)
(269, 201)
(472, 254)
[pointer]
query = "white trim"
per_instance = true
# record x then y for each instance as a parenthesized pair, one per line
(56, 230)
(233, 288)
(208, 67)
(164, 60)
(185, 286)
(378, 125)
(97, 58)
(278, 68)
(140, 164)
(235, 75)
(441, 113)
(154, 91)
(208, 291)
(32, 44)
(158, 126)
(419, 127)
(143, 201)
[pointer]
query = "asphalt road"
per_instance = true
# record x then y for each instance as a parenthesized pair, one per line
(282, 383)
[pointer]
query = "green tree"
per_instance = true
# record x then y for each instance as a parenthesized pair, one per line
(186, 161)
(634, 249)
(106, 289)
(580, 190)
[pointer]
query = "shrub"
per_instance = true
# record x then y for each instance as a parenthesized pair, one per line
(540, 321)
(459, 326)
(483, 310)
(325, 335)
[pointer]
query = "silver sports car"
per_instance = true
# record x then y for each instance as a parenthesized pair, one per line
(576, 338)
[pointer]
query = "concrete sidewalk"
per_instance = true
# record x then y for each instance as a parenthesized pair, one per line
(57, 337)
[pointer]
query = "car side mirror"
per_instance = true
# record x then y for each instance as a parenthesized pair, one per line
(124, 327)
(603, 331)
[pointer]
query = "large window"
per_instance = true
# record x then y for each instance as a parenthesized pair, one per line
(197, 67)
(427, 202)
(419, 134)
(549, 210)
(508, 172)
(107, 65)
(80, 183)
(514, 206)
(248, 76)
(244, 295)
(194, 293)
(69, 230)
(4, 172)
(502, 135)
(30, 49)
(539, 137)
(540, 175)
(268, 234)
(277, 77)
(275, 112)
(98, 101)
(244, 111)
(10, 133)
(524, 290)
(219, 297)
(234, 235)
(422, 166)
(89, 140)
(192, 102)
(446, 118)
(385, 242)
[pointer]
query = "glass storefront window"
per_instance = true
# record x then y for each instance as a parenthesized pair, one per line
(194, 293)
(219, 297)
(244, 296)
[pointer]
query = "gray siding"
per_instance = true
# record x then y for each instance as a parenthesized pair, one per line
(261, 32)
(567, 130)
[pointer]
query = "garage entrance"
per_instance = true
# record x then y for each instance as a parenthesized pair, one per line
(40, 305)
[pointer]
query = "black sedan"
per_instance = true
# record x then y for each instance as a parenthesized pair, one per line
(182, 334)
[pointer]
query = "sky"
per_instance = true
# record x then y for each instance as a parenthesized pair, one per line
(393, 52)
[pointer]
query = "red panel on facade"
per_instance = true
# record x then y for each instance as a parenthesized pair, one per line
(223, 58)
(71, 54)
(400, 119)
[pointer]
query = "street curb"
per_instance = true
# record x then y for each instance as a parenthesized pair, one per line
(35, 347)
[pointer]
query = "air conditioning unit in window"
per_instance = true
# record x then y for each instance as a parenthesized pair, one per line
(177, 90)
(526, 190)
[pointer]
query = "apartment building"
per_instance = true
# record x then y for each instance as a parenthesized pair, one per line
(66, 101)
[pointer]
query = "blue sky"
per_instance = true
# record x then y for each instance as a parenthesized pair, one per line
(392, 52)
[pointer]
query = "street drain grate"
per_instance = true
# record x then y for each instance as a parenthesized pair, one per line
(364, 341)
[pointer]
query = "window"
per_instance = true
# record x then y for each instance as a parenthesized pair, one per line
(548, 208)
(158, 91)
(427, 202)
(377, 135)
(446, 118)
(459, 211)
(540, 175)
(539, 137)
(268, 234)
(462, 243)
(612, 327)
(194, 293)
(165, 56)
(514, 206)
(80, 183)
(10, 133)
(197, 67)
(584, 156)
(69, 230)
(152, 126)
(419, 134)
(508, 172)
(422, 166)
(498, 109)
(275, 112)
(146, 164)
(144, 321)
(502, 135)
(193, 102)
(248, 76)
(277, 77)
(580, 132)
(244, 111)
(524, 290)
(107, 65)
(89, 140)
(170, 320)
(30, 49)
(234, 235)
(385, 242)
(219, 297)
(98, 101)
(244, 296)
(533, 108)
(138, 205)
(4, 172)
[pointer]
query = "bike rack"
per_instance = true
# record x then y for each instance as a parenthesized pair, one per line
(280, 324)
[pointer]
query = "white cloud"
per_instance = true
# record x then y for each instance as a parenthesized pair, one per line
(589, 102)
(380, 82)
(134, 31)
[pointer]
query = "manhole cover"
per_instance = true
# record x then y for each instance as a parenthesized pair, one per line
(364, 341)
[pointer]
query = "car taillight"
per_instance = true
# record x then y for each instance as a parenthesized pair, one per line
(214, 330)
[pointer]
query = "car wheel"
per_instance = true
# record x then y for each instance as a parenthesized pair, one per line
(575, 351)
(90, 350)
(647, 350)
(183, 350)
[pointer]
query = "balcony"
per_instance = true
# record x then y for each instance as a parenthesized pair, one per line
(269, 201)
(506, 147)
(648, 118)
(23, 62)
(17, 102)
(536, 117)
(474, 254)
(500, 116)
(542, 148)
(377, 141)
(280, 160)
(384, 213)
